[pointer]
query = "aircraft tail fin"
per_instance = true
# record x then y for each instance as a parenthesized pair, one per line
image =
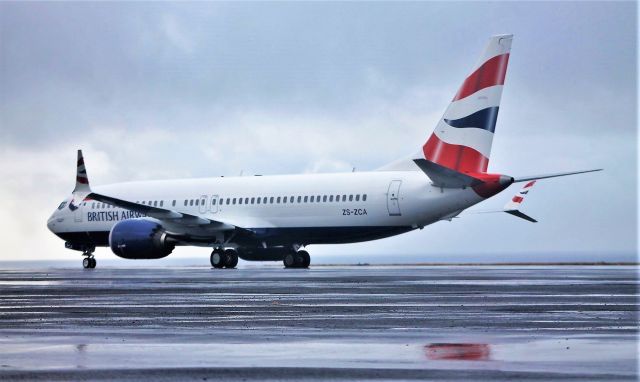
(462, 139)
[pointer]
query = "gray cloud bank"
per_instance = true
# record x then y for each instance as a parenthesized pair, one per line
(162, 90)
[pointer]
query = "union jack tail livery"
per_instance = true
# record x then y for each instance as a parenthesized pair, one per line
(462, 139)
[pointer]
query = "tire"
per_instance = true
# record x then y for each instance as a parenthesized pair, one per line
(86, 263)
(231, 258)
(306, 259)
(93, 263)
(217, 259)
(289, 260)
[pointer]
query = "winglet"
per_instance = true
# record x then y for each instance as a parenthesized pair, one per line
(82, 189)
(512, 207)
(82, 180)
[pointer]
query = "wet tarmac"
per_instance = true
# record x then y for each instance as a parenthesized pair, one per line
(325, 323)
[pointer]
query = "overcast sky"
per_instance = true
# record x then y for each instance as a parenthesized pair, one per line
(166, 90)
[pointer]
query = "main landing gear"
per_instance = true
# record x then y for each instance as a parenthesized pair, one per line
(224, 258)
(89, 262)
(300, 259)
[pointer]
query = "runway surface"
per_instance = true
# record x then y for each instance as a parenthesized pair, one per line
(336, 323)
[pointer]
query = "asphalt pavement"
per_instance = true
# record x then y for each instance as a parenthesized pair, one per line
(325, 323)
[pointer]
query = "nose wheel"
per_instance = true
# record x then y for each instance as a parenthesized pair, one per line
(300, 259)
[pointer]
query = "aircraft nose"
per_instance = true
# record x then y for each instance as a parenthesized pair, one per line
(51, 223)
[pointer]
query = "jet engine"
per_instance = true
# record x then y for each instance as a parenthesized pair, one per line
(139, 239)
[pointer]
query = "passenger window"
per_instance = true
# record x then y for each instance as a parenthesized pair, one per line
(93, 205)
(299, 199)
(228, 201)
(185, 202)
(271, 200)
(312, 197)
(174, 203)
(258, 200)
(344, 198)
(246, 200)
(278, 200)
(239, 200)
(291, 199)
(264, 200)
(197, 202)
(305, 199)
(284, 200)
(324, 198)
(357, 197)
(351, 198)
(253, 200)
(234, 201)
(364, 197)
(337, 198)
(191, 202)
(318, 198)
(213, 202)
(331, 198)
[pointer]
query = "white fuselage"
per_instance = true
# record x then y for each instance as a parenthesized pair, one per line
(346, 207)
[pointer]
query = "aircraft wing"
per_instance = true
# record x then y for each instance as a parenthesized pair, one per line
(161, 213)
(83, 191)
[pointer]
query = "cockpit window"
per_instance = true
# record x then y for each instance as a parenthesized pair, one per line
(61, 206)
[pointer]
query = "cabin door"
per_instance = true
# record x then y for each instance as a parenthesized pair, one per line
(393, 198)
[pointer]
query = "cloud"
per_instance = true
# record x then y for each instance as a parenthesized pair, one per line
(192, 90)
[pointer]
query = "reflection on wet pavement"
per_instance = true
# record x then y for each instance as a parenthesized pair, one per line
(462, 352)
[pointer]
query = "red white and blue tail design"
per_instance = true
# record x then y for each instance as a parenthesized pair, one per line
(462, 139)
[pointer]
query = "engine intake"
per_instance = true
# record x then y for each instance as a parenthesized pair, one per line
(139, 239)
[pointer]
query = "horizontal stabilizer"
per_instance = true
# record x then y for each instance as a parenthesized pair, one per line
(445, 177)
(545, 176)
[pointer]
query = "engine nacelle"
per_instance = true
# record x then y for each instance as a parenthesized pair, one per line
(139, 239)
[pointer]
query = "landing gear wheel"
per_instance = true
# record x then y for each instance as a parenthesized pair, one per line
(289, 260)
(304, 259)
(218, 259)
(231, 258)
(88, 262)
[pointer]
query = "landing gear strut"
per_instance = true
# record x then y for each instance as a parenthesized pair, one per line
(300, 259)
(221, 258)
(89, 262)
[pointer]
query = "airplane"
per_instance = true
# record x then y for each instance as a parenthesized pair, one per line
(274, 218)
